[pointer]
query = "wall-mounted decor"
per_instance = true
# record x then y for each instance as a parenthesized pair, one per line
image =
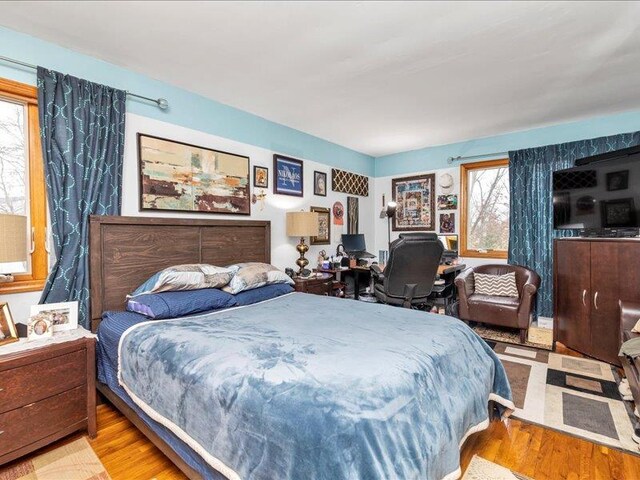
(618, 180)
(338, 213)
(260, 177)
(288, 176)
(186, 178)
(353, 215)
(447, 222)
(618, 213)
(415, 197)
(348, 182)
(324, 226)
(320, 183)
(446, 183)
(448, 202)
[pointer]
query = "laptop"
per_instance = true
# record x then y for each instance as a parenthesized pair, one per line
(355, 246)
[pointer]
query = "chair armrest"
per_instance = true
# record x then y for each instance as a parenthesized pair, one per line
(377, 273)
(465, 283)
(529, 291)
(629, 315)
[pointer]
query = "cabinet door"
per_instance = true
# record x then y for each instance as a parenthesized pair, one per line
(605, 294)
(629, 270)
(572, 293)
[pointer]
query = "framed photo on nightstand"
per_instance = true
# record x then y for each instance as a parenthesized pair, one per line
(8, 332)
(62, 316)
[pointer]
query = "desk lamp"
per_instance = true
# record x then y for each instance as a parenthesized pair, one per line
(302, 224)
(13, 242)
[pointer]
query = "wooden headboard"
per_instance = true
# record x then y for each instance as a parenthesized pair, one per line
(126, 251)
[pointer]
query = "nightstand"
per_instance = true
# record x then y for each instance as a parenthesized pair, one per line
(320, 285)
(46, 393)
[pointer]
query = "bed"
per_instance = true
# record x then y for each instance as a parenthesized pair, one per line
(296, 386)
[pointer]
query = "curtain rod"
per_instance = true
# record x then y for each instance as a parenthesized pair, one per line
(162, 103)
(482, 155)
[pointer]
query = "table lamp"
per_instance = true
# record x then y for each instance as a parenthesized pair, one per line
(302, 224)
(13, 241)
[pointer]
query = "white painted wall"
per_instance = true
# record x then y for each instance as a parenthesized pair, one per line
(283, 253)
(382, 186)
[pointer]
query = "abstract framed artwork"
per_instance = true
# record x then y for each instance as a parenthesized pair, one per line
(181, 177)
(260, 177)
(324, 226)
(415, 197)
(353, 215)
(288, 176)
(320, 183)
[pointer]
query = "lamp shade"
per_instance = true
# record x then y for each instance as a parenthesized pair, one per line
(302, 224)
(13, 238)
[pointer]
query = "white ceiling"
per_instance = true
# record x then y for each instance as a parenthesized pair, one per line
(378, 77)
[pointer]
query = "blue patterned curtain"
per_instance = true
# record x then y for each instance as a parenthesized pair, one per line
(531, 230)
(82, 128)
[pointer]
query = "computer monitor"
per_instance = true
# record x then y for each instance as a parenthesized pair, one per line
(353, 242)
(450, 244)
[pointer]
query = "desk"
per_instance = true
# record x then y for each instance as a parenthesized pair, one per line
(447, 293)
(357, 271)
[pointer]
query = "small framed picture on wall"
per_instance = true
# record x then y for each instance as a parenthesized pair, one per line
(260, 177)
(320, 183)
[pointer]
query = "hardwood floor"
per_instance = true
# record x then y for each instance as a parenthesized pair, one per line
(528, 449)
(534, 451)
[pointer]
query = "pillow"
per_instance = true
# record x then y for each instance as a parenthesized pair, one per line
(185, 277)
(260, 294)
(496, 285)
(253, 275)
(179, 304)
(636, 327)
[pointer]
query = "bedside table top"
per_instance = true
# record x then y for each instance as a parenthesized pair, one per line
(323, 277)
(60, 337)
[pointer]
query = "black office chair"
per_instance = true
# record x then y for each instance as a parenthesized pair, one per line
(412, 267)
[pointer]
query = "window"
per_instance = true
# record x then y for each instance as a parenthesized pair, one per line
(22, 190)
(485, 209)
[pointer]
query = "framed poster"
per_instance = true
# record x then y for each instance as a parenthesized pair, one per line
(260, 177)
(415, 197)
(288, 176)
(320, 183)
(181, 177)
(324, 226)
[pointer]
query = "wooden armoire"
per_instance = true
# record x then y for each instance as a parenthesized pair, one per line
(590, 276)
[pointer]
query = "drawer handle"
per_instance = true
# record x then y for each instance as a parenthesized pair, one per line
(1, 389)
(30, 405)
(1, 432)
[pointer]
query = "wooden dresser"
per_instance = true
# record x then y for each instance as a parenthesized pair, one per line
(591, 275)
(45, 394)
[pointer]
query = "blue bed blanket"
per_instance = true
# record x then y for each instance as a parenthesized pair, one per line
(310, 387)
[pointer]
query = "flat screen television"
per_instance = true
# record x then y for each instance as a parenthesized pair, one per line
(600, 194)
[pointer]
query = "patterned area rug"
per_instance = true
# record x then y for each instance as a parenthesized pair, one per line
(74, 461)
(577, 396)
(537, 337)
(481, 469)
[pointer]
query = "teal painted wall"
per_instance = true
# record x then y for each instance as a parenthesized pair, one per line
(194, 111)
(433, 158)
(186, 109)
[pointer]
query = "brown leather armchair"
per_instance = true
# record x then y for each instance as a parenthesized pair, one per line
(494, 310)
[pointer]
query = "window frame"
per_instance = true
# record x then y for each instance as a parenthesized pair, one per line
(34, 281)
(465, 168)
